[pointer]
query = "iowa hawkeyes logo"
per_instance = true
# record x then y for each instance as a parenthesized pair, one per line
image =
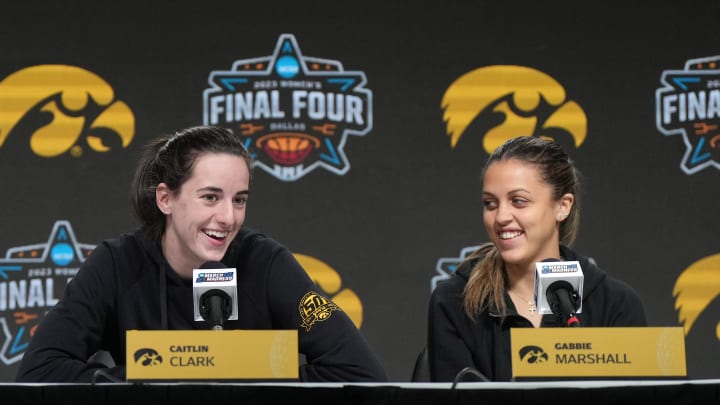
(697, 286)
(315, 308)
(330, 283)
(81, 106)
(532, 103)
(147, 357)
(533, 354)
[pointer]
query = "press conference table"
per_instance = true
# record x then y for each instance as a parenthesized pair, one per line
(505, 393)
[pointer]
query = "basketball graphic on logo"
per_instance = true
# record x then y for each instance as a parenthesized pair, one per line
(288, 148)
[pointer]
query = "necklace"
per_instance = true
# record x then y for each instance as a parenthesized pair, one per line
(531, 304)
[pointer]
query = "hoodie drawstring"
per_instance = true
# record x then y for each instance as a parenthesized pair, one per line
(163, 299)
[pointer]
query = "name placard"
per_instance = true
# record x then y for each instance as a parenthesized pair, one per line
(211, 355)
(598, 352)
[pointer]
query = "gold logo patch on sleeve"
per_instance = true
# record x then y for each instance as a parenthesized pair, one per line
(315, 308)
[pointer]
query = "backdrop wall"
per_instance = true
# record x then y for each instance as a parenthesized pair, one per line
(370, 122)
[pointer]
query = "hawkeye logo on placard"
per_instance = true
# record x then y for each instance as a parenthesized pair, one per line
(147, 357)
(313, 307)
(63, 109)
(526, 101)
(532, 354)
(688, 104)
(32, 279)
(294, 112)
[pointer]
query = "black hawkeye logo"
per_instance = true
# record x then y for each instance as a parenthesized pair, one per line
(533, 354)
(147, 357)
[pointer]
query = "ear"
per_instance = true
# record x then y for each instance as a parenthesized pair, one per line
(162, 198)
(564, 206)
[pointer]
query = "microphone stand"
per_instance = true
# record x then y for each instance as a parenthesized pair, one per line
(217, 320)
(563, 300)
(215, 308)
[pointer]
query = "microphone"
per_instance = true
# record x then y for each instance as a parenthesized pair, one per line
(215, 294)
(559, 288)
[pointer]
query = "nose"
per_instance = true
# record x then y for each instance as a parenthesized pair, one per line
(225, 213)
(503, 214)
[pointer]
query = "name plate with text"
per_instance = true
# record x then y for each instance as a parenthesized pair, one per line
(211, 354)
(598, 352)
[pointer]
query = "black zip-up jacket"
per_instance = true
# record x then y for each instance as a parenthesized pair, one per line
(455, 341)
(126, 284)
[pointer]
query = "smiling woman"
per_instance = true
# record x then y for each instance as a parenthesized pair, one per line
(206, 213)
(190, 193)
(531, 212)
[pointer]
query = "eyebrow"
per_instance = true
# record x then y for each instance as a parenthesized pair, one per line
(220, 191)
(517, 190)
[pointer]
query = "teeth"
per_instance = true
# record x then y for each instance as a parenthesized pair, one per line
(216, 234)
(509, 235)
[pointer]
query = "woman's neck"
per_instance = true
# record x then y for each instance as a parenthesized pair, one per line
(521, 279)
(175, 259)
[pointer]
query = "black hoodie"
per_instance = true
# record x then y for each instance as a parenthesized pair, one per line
(126, 284)
(455, 341)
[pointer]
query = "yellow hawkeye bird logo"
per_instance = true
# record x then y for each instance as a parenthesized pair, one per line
(531, 102)
(81, 107)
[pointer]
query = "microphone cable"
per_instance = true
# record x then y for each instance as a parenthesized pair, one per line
(465, 371)
(102, 373)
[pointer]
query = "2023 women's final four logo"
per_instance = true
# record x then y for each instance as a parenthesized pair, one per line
(32, 280)
(294, 112)
(688, 104)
